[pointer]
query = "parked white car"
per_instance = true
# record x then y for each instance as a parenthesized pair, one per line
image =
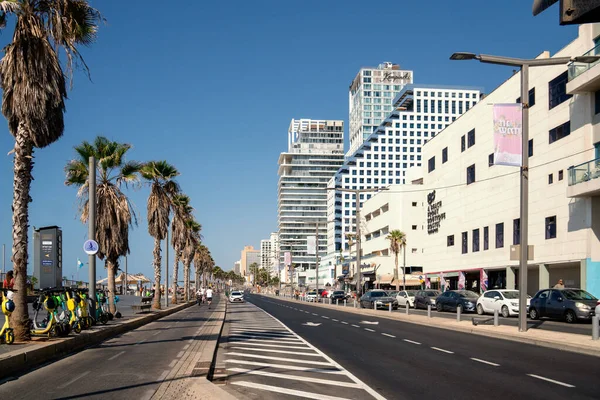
(236, 297)
(506, 301)
(311, 296)
(406, 296)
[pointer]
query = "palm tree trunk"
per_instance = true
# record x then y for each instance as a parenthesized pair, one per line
(197, 277)
(22, 166)
(397, 275)
(404, 268)
(111, 266)
(186, 280)
(157, 265)
(175, 274)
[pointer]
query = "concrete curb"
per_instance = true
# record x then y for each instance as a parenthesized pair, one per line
(16, 362)
(481, 331)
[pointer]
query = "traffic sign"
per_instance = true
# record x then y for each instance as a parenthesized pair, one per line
(90, 247)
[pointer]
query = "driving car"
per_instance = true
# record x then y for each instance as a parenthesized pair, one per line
(506, 301)
(378, 298)
(568, 304)
(236, 297)
(453, 299)
(406, 296)
(425, 297)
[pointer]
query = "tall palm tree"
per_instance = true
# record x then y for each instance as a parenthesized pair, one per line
(33, 102)
(114, 211)
(201, 261)
(160, 203)
(397, 240)
(188, 251)
(182, 211)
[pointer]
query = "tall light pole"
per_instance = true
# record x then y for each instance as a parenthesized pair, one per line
(524, 64)
(92, 230)
(357, 193)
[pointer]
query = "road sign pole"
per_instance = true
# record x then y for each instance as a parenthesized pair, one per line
(92, 232)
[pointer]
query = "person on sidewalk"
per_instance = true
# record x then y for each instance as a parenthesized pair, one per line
(559, 285)
(9, 280)
(209, 294)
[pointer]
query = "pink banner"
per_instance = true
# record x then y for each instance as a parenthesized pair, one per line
(483, 280)
(508, 125)
(287, 258)
(461, 281)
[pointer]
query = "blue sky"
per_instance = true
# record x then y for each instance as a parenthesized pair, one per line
(212, 86)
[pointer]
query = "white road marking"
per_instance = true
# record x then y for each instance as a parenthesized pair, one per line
(116, 355)
(269, 345)
(290, 340)
(551, 380)
(186, 346)
(263, 332)
(356, 326)
(172, 364)
(290, 367)
(485, 362)
(314, 314)
(156, 333)
(64, 385)
(370, 330)
(411, 341)
(163, 376)
(298, 393)
(388, 335)
(370, 322)
(291, 360)
(322, 316)
(296, 378)
(278, 351)
(167, 327)
(180, 354)
(333, 319)
(344, 322)
(442, 350)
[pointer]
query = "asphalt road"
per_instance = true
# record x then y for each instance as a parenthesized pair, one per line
(406, 361)
(580, 328)
(130, 366)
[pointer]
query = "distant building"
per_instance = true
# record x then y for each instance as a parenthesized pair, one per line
(249, 256)
(269, 255)
(236, 267)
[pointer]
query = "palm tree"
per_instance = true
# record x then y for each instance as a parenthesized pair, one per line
(397, 240)
(201, 261)
(182, 211)
(187, 253)
(114, 211)
(33, 102)
(163, 188)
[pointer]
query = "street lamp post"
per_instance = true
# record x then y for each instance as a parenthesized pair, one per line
(524, 64)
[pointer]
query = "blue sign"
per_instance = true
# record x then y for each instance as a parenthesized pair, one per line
(90, 247)
(47, 262)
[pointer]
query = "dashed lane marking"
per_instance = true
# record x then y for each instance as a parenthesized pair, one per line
(370, 330)
(411, 341)
(443, 350)
(116, 355)
(388, 335)
(551, 380)
(485, 362)
(69, 383)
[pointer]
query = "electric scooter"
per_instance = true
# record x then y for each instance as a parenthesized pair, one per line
(8, 306)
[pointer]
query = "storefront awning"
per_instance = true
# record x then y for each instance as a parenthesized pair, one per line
(411, 280)
(385, 280)
(446, 275)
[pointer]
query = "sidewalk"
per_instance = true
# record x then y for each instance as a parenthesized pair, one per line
(189, 377)
(22, 357)
(556, 340)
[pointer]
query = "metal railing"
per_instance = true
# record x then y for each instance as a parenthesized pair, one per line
(584, 172)
(578, 68)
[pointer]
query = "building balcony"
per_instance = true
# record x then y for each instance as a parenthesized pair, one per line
(584, 179)
(584, 77)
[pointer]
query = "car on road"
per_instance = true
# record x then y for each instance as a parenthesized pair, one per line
(236, 297)
(425, 297)
(406, 296)
(568, 304)
(453, 299)
(506, 301)
(338, 295)
(378, 298)
(311, 296)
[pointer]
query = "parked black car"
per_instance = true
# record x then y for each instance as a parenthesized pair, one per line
(568, 304)
(338, 295)
(424, 297)
(378, 298)
(452, 299)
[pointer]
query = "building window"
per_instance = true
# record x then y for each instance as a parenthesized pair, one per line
(531, 98)
(500, 235)
(471, 138)
(475, 240)
(491, 159)
(550, 179)
(486, 238)
(431, 164)
(465, 242)
(551, 227)
(517, 231)
(470, 174)
(414, 203)
(444, 155)
(560, 175)
(414, 227)
(530, 148)
(559, 132)
(557, 90)
(450, 240)
(463, 146)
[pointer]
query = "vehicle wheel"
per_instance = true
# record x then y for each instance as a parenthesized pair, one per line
(479, 309)
(570, 317)
(110, 316)
(533, 314)
(77, 327)
(118, 315)
(439, 308)
(9, 336)
(505, 312)
(103, 319)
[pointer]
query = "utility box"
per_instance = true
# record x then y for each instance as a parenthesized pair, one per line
(47, 257)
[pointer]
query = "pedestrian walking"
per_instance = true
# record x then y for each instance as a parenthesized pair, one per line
(559, 285)
(209, 295)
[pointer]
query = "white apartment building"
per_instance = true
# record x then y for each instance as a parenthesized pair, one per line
(473, 205)
(419, 113)
(237, 266)
(315, 153)
(370, 99)
(269, 255)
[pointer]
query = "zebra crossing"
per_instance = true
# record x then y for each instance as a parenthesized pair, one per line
(260, 358)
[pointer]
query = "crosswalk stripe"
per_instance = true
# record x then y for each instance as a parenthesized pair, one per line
(263, 357)
(243, 336)
(270, 345)
(296, 378)
(237, 338)
(290, 367)
(278, 351)
(299, 393)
